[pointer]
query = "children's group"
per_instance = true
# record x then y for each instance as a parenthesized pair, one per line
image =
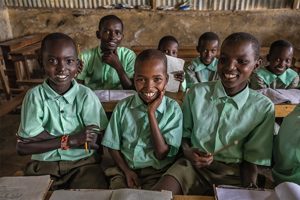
(155, 143)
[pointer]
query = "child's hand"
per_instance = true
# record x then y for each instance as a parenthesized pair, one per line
(154, 105)
(198, 158)
(179, 76)
(132, 179)
(112, 59)
(80, 66)
(85, 135)
(44, 135)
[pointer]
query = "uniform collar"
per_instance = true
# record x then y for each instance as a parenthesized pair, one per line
(137, 101)
(287, 77)
(239, 99)
(200, 66)
(69, 96)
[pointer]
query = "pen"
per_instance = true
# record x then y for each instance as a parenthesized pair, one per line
(85, 144)
(79, 51)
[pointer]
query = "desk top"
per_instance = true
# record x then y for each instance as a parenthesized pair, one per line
(17, 43)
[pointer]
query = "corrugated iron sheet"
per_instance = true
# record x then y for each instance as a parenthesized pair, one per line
(197, 4)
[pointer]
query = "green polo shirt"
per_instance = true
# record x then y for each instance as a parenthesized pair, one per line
(263, 78)
(44, 109)
(99, 75)
(129, 131)
(286, 149)
(212, 120)
(197, 72)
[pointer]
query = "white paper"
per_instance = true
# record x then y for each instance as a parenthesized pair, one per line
(134, 194)
(24, 187)
(81, 195)
(274, 96)
(103, 95)
(292, 94)
(238, 194)
(288, 190)
(174, 65)
(113, 95)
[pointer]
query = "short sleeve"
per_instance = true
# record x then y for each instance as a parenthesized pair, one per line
(172, 131)
(258, 147)
(187, 116)
(93, 112)
(130, 61)
(257, 82)
(190, 75)
(295, 83)
(31, 116)
(112, 136)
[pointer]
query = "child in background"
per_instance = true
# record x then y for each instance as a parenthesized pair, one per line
(277, 75)
(108, 66)
(228, 111)
(286, 150)
(145, 130)
(169, 46)
(58, 117)
(204, 68)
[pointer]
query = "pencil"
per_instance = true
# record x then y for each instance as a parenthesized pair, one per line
(79, 51)
(89, 147)
(226, 147)
(86, 148)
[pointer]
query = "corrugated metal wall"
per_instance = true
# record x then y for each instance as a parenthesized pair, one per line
(198, 4)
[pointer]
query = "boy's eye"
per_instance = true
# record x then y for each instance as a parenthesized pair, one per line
(166, 51)
(241, 61)
(157, 79)
(106, 32)
(174, 52)
(53, 61)
(288, 61)
(214, 51)
(69, 61)
(141, 79)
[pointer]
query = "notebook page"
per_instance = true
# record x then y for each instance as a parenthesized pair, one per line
(288, 190)
(103, 95)
(24, 187)
(81, 195)
(238, 194)
(118, 95)
(174, 65)
(135, 194)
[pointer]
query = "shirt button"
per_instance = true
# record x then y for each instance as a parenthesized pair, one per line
(135, 158)
(62, 111)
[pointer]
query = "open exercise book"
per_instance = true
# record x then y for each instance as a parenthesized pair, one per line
(277, 96)
(286, 190)
(113, 95)
(24, 187)
(174, 65)
(120, 194)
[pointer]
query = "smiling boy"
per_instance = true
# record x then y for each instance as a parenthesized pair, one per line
(57, 118)
(204, 68)
(228, 111)
(108, 66)
(145, 130)
(277, 75)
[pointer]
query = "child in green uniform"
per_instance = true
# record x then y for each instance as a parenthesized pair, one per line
(108, 66)
(58, 117)
(277, 75)
(228, 111)
(169, 46)
(286, 150)
(145, 130)
(203, 68)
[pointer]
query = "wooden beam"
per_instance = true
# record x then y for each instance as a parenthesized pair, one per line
(12, 104)
(32, 82)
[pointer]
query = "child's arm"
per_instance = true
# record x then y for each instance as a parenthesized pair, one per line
(161, 148)
(131, 177)
(179, 76)
(43, 143)
(197, 157)
(112, 59)
(249, 173)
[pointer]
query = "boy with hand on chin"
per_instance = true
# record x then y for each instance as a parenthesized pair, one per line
(228, 111)
(145, 130)
(277, 75)
(58, 117)
(204, 67)
(108, 66)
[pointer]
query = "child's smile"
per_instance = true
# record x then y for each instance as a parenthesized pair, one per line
(208, 51)
(235, 65)
(280, 60)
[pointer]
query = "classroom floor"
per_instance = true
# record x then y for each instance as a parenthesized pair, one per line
(10, 161)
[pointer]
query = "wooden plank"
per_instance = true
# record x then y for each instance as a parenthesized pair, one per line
(4, 83)
(12, 104)
(282, 110)
(32, 82)
(25, 50)
(13, 90)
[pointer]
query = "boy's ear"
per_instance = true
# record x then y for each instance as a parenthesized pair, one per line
(268, 57)
(98, 34)
(167, 78)
(257, 65)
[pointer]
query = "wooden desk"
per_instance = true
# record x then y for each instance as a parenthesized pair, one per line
(13, 45)
(283, 109)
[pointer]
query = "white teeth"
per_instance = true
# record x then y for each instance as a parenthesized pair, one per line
(230, 75)
(61, 76)
(149, 94)
(111, 43)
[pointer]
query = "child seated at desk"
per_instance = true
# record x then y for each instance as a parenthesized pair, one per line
(286, 150)
(169, 46)
(108, 66)
(204, 68)
(60, 116)
(145, 130)
(228, 111)
(277, 75)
